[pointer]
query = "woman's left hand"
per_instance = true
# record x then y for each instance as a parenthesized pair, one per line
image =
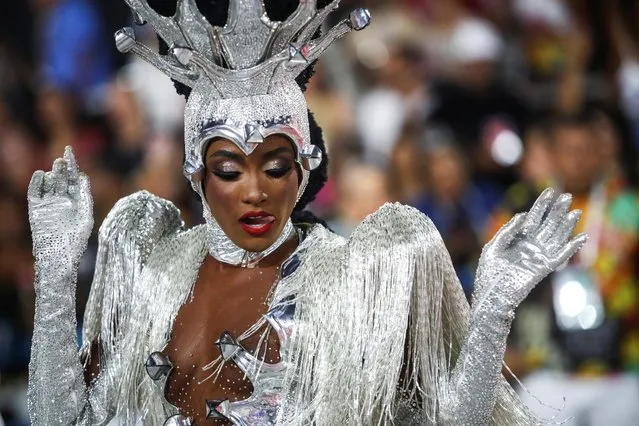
(526, 250)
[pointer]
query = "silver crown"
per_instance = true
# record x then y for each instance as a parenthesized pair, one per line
(247, 54)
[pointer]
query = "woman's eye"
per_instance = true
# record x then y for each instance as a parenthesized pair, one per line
(278, 172)
(224, 175)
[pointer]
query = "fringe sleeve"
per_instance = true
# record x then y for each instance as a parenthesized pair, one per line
(127, 237)
(382, 319)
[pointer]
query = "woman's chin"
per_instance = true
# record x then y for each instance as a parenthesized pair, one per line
(254, 243)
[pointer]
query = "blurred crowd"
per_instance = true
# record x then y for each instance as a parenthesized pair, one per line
(465, 109)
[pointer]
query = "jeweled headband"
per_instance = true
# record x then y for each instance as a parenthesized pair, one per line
(242, 75)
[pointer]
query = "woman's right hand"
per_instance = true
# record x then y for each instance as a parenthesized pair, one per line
(60, 212)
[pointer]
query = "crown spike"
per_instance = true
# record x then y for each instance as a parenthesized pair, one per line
(246, 35)
(317, 47)
(237, 82)
(298, 19)
(164, 26)
(200, 33)
(137, 19)
(358, 20)
(173, 30)
(125, 42)
(311, 28)
(311, 50)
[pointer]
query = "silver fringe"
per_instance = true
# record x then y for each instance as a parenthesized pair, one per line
(361, 304)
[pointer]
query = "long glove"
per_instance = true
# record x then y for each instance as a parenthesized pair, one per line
(523, 252)
(61, 218)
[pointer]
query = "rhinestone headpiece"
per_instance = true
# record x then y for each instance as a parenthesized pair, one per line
(242, 75)
(243, 89)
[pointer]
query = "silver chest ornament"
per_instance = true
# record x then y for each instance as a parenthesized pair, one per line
(261, 408)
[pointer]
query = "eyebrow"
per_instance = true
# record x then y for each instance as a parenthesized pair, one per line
(227, 154)
(222, 153)
(277, 151)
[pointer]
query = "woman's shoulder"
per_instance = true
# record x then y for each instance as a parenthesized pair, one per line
(141, 219)
(391, 225)
(143, 233)
(394, 223)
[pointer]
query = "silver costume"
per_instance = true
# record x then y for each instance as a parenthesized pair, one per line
(374, 329)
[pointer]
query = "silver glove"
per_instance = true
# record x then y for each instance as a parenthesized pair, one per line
(521, 254)
(60, 212)
(61, 218)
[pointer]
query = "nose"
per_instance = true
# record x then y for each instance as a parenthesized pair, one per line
(253, 194)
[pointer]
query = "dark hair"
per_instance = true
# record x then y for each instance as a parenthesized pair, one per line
(216, 12)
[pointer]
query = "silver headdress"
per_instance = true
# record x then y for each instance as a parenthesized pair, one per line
(242, 78)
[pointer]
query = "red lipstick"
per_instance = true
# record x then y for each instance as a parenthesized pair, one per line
(257, 223)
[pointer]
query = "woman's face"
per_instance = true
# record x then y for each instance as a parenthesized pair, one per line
(252, 197)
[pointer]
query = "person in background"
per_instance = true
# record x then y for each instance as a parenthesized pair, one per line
(454, 204)
(330, 106)
(18, 153)
(399, 98)
(474, 102)
(362, 188)
(407, 169)
(75, 52)
(535, 171)
(613, 131)
(141, 86)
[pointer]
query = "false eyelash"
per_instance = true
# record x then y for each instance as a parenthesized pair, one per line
(228, 176)
(279, 172)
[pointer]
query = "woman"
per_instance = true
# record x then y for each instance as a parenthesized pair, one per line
(251, 319)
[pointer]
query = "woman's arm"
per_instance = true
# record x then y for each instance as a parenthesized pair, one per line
(67, 386)
(522, 253)
(61, 218)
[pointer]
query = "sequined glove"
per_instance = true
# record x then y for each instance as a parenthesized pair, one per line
(525, 251)
(61, 218)
(60, 212)
(522, 253)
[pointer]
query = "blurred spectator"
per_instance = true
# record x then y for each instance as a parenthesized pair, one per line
(473, 102)
(536, 170)
(75, 53)
(456, 207)
(399, 97)
(393, 75)
(332, 108)
(407, 171)
(618, 151)
(162, 108)
(362, 188)
(129, 129)
(445, 26)
(625, 42)
(62, 121)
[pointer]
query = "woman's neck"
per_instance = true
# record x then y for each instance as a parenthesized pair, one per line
(281, 253)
